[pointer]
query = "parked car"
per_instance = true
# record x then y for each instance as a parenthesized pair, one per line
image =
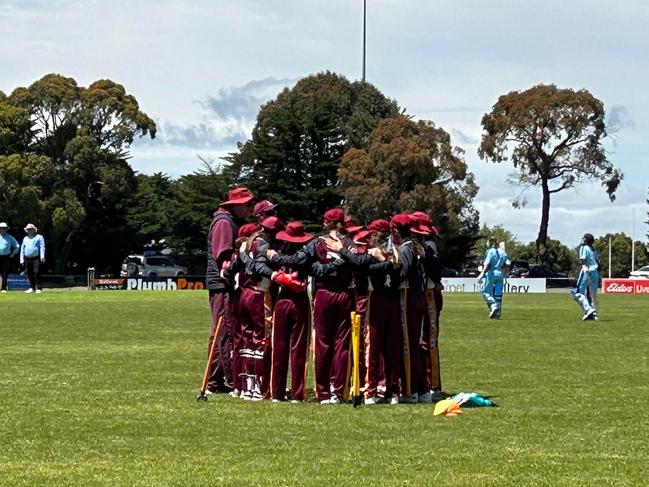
(642, 273)
(151, 266)
(553, 278)
(519, 268)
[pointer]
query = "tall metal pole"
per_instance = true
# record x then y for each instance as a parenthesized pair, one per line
(609, 256)
(364, 34)
(633, 243)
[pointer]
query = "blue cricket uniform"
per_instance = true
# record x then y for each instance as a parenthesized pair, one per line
(492, 287)
(588, 280)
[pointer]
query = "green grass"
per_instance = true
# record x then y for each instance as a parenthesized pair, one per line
(98, 389)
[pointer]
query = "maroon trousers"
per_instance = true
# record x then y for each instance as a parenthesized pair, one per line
(219, 372)
(384, 340)
(415, 367)
(290, 337)
(252, 316)
(332, 323)
(237, 343)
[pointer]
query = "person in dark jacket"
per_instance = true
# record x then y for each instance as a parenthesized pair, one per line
(220, 253)
(425, 232)
(414, 386)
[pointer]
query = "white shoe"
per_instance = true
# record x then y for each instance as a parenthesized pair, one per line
(334, 400)
(493, 312)
(256, 397)
(426, 398)
(588, 314)
(370, 401)
(394, 400)
(38, 291)
(295, 401)
(4, 291)
(325, 401)
(276, 400)
(235, 393)
(29, 291)
(247, 396)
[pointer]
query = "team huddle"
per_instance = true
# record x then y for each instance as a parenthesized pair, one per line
(270, 283)
(274, 287)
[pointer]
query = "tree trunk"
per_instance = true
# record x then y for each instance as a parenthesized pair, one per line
(542, 239)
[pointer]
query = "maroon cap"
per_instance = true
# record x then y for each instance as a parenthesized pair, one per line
(272, 223)
(295, 233)
(401, 220)
(247, 230)
(379, 225)
(362, 237)
(238, 196)
(335, 215)
(421, 217)
(354, 229)
(421, 229)
(262, 207)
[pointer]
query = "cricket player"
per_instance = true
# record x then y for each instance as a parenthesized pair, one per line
(32, 256)
(588, 281)
(291, 322)
(220, 253)
(414, 386)
(425, 232)
(8, 249)
(333, 304)
(492, 277)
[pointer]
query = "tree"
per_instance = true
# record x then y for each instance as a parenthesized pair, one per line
(299, 139)
(412, 166)
(558, 256)
(501, 234)
(85, 133)
(620, 254)
(553, 138)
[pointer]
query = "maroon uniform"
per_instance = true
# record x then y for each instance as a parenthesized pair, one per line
(220, 251)
(255, 315)
(333, 304)
(384, 335)
(415, 308)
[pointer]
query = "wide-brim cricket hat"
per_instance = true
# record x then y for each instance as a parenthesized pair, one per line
(4, 225)
(294, 232)
(238, 196)
(31, 226)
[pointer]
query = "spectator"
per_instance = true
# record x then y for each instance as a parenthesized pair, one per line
(32, 255)
(8, 249)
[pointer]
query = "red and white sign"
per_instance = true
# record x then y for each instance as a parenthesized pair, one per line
(642, 287)
(625, 286)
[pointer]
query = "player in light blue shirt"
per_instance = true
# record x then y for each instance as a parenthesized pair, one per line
(493, 276)
(588, 280)
(32, 255)
(8, 249)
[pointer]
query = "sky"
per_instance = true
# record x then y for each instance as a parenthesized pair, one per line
(202, 68)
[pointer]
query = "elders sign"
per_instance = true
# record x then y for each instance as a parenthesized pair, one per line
(625, 286)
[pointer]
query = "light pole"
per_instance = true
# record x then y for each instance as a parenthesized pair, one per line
(364, 35)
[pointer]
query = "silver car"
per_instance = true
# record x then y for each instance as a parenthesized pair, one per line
(642, 273)
(151, 266)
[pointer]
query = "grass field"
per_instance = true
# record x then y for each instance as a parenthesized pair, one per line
(98, 389)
